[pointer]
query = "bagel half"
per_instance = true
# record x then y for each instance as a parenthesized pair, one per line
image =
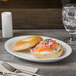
(48, 55)
(26, 43)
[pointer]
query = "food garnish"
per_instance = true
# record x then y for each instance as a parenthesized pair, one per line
(47, 44)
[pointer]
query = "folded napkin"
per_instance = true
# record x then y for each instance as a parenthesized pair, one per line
(3, 69)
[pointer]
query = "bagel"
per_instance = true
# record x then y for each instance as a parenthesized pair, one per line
(26, 43)
(46, 53)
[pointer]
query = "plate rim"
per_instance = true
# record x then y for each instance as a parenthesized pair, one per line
(40, 60)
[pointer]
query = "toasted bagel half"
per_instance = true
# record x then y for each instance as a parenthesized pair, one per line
(48, 55)
(26, 43)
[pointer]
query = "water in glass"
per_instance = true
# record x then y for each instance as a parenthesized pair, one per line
(69, 19)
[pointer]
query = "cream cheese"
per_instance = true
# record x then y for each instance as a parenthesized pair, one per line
(27, 39)
(47, 52)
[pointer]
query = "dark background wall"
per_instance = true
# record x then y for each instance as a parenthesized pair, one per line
(73, 1)
(35, 14)
(31, 4)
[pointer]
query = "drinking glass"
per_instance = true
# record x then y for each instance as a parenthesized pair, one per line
(69, 21)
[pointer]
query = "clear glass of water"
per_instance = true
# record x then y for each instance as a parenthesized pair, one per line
(69, 21)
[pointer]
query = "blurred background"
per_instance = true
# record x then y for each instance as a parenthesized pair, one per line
(35, 14)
